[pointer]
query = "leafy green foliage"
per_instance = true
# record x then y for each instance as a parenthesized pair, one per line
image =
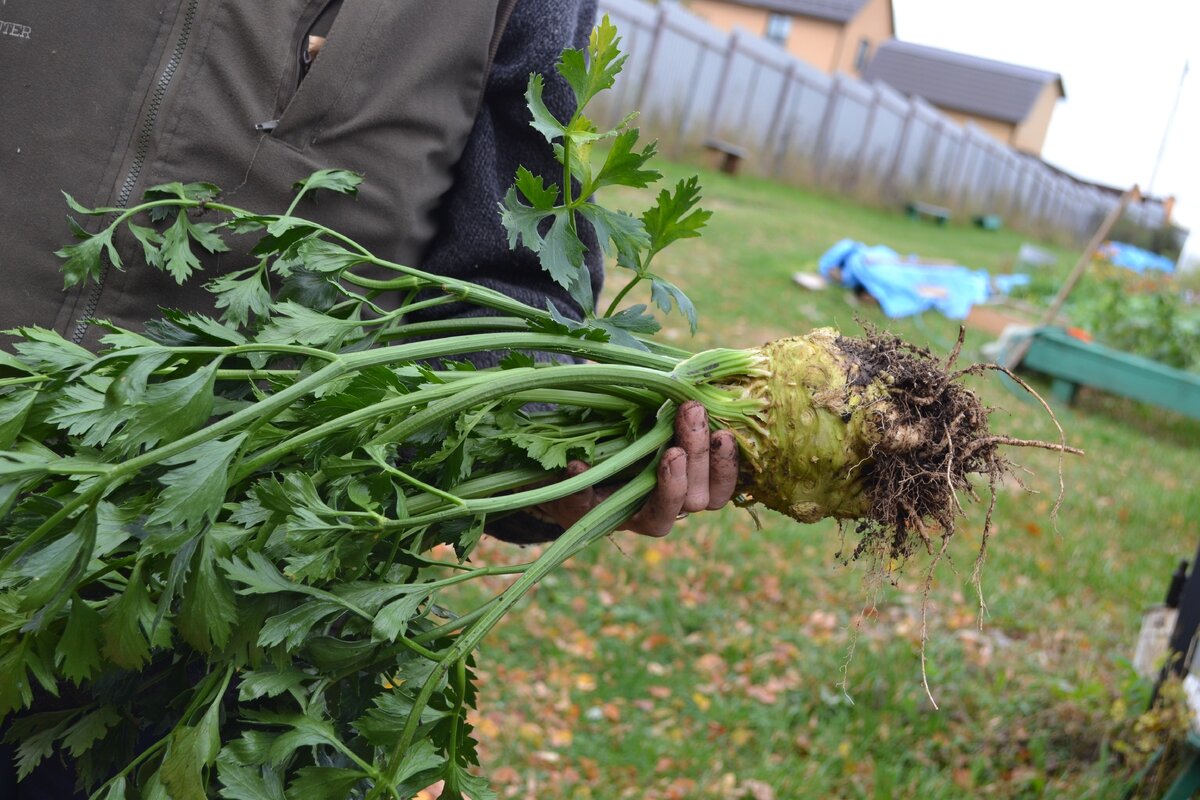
(545, 218)
(1156, 324)
(243, 294)
(222, 534)
(334, 180)
(84, 261)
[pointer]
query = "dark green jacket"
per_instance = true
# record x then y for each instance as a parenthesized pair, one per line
(103, 100)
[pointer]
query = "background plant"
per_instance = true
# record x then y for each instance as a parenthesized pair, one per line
(1154, 323)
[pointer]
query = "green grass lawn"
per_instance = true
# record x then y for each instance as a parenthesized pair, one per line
(727, 661)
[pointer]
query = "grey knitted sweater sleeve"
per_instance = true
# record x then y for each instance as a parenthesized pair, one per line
(471, 244)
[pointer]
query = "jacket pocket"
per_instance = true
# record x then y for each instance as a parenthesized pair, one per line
(314, 40)
(312, 87)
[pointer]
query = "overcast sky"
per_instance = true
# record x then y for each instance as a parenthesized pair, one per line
(1121, 63)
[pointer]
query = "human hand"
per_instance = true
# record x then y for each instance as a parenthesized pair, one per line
(698, 472)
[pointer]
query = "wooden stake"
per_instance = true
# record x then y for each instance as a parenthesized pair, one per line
(1013, 357)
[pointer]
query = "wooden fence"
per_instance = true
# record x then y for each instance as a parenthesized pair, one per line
(694, 83)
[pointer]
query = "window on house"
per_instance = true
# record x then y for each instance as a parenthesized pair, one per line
(861, 54)
(778, 27)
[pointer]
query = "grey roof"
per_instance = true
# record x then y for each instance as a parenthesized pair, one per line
(974, 85)
(832, 10)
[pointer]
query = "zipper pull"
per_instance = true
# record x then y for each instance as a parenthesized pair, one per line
(266, 127)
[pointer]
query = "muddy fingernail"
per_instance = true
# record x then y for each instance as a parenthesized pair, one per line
(677, 467)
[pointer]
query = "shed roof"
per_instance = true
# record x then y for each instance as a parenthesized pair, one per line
(832, 10)
(992, 89)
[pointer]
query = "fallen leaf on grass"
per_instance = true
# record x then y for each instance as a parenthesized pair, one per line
(741, 736)
(655, 640)
(710, 665)
(502, 776)
(756, 790)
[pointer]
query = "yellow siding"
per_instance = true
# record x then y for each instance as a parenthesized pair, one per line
(1000, 131)
(727, 16)
(815, 41)
(873, 23)
(1030, 135)
(832, 48)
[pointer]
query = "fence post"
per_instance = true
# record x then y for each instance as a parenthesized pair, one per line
(777, 114)
(1048, 199)
(988, 181)
(1034, 208)
(660, 22)
(888, 186)
(719, 99)
(1064, 211)
(1003, 177)
(631, 43)
(941, 169)
(1018, 194)
(821, 148)
(954, 176)
(931, 147)
(785, 137)
(1064, 204)
(751, 90)
(864, 143)
(1056, 204)
(689, 98)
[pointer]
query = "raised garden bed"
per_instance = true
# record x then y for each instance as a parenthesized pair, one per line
(1072, 362)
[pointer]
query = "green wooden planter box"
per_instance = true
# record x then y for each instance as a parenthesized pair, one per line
(1072, 363)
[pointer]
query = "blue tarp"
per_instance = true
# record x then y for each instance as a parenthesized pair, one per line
(905, 286)
(1135, 258)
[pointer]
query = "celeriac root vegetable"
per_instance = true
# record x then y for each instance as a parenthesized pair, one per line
(863, 429)
(247, 505)
(869, 429)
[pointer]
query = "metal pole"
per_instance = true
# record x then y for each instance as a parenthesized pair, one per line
(1167, 131)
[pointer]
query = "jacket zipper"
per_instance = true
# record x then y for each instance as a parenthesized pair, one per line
(141, 150)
